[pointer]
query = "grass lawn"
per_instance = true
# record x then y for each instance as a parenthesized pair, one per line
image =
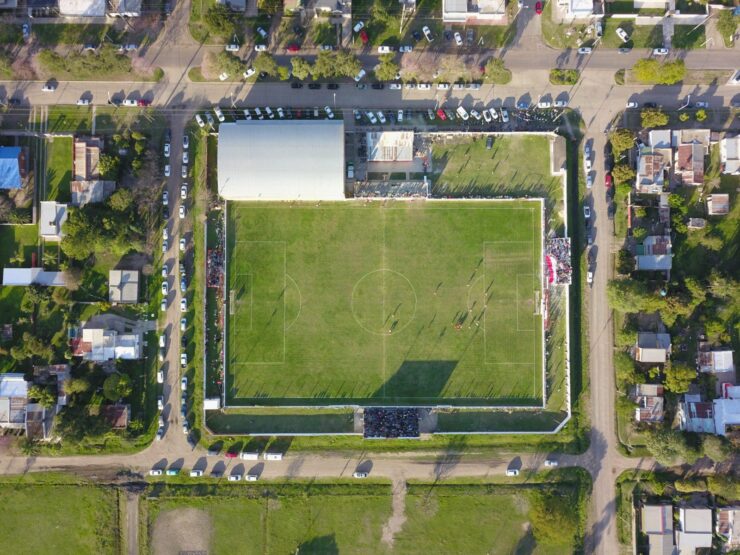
(462, 421)
(59, 519)
(319, 312)
(59, 169)
(256, 421)
(69, 33)
(16, 240)
(687, 37)
(640, 36)
(322, 32)
(293, 519)
(382, 20)
(516, 165)
(563, 36)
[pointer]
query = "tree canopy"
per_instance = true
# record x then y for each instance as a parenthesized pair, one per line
(653, 117)
(678, 377)
(117, 386)
(387, 69)
(653, 72)
(621, 140)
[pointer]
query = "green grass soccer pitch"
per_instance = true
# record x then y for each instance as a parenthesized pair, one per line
(396, 303)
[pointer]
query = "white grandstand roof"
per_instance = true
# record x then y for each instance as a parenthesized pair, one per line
(390, 146)
(281, 160)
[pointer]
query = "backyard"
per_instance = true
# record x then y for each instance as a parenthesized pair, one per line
(58, 168)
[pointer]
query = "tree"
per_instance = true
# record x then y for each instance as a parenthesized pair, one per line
(716, 448)
(683, 116)
(667, 446)
(496, 72)
(639, 233)
(554, 516)
(625, 262)
(678, 377)
(726, 24)
(626, 371)
(653, 117)
(301, 67)
(28, 446)
(77, 385)
(264, 62)
(701, 114)
(283, 73)
(622, 173)
(108, 166)
(227, 63)
(220, 20)
(347, 64)
(387, 69)
(44, 396)
(121, 200)
(325, 65)
(621, 140)
(651, 71)
(117, 386)
(630, 296)
(270, 7)
(723, 287)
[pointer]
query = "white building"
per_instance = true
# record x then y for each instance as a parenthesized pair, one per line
(100, 345)
(577, 9)
(82, 8)
(727, 409)
(390, 146)
(474, 11)
(694, 530)
(52, 216)
(729, 154)
(33, 276)
(13, 401)
(281, 160)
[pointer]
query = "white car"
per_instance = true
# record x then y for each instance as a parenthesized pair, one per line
(160, 376)
(185, 158)
(262, 32)
(183, 324)
(512, 472)
(162, 340)
(184, 192)
(83, 102)
(232, 47)
(427, 33)
(586, 212)
(260, 47)
(163, 305)
(219, 114)
(327, 47)
(185, 428)
(702, 104)
(196, 473)
(329, 113)
(381, 117)
(235, 477)
(199, 121)
(589, 181)
(247, 114)
(165, 268)
(181, 211)
(584, 50)
(359, 474)
(622, 34)
(160, 403)
(632, 104)
(462, 113)
(371, 117)
(184, 383)
(589, 277)
(164, 289)
(155, 472)
(183, 305)
(166, 150)
(406, 49)
(551, 463)
(359, 26)
(587, 164)
(251, 477)
(544, 104)
(494, 113)
(385, 49)
(49, 87)
(247, 74)
(360, 75)
(395, 86)
(182, 244)
(269, 112)
(167, 170)
(281, 113)
(458, 39)
(443, 86)
(129, 102)
(560, 103)
(504, 115)
(424, 86)
(223, 77)
(258, 113)
(487, 116)
(399, 116)
(184, 171)
(660, 51)
(475, 114)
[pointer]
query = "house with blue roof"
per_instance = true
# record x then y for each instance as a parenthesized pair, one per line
(11, 166)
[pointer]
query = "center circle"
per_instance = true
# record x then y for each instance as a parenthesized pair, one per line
(383, 302)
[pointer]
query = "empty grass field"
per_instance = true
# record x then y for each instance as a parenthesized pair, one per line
(59, 519)
(421, 303)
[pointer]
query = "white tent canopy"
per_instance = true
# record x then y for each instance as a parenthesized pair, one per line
(281, 160)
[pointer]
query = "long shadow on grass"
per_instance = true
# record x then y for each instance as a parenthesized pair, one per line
(422, 378)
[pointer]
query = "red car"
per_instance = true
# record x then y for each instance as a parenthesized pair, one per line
(608, 181)
(441, 114)
(230, 455)
(144, 102)
(538, 8)
(293, 48)
(364, 37)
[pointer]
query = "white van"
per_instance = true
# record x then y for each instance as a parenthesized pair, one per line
(251, 477)
(463, 113)
(273, 456)
(248, 456)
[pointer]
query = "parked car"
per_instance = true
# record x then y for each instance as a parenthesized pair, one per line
(381, 117)
(622, 34)
(359, 474)
(586, 212)
(26, 30)
(248, 73)
(83, 102)
(590, 277)
(183, 324)
(504, 115)
(155, 472)
(329, 113)
(199, 121)
(589, 181)
(551, 463)
(458, 39)
(184, 383)
(49, 87)
(584, 50)
(167, 170)
(475, 114)
(172, 471)
(427, 33)
(538, 8)
(143, 102)
(364, 36)
(223, 76)
(441, 114)
(332, 86)
(233, 47)
(660, 51)
(262, 32)
(182, 212)
(129, 102)
(293, 47)
(702, 104)
(395, 86)
(424, 86)
(371, 117)
(196, 473)
(560, 103)
(219, 114)
(544, 104)
(513, 471)
(406, 48)
(631, 104)
(358, 26)
(360, 75)
(608, 181)
(260, 47)
(160, 435)
(235, 477)
(184, 171)
(182, 244)
(327, 47)
(385, 49)
(462, 113)
(183, 305)
(160, 402)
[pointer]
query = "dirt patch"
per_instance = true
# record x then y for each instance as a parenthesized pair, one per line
(398, 516)
(182, 530)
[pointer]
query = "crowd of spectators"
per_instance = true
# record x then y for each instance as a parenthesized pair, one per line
(386, 422)
(392, 189)
(215, 262)
(558, 255)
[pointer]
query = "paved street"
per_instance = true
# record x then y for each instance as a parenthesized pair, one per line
(597, 98)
